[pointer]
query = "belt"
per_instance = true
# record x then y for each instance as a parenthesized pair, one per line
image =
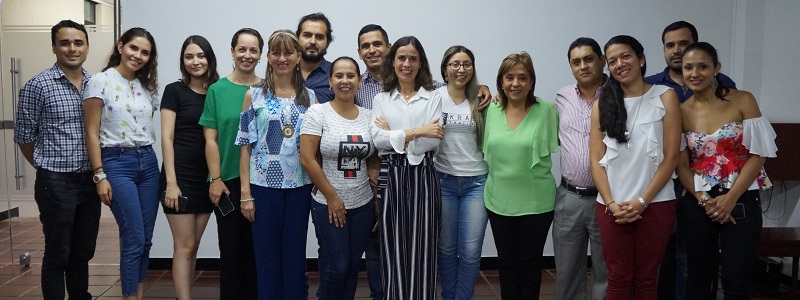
(582, 192)
(84, 177)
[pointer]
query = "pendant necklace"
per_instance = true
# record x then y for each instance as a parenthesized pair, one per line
(636, 118)
(288, 130)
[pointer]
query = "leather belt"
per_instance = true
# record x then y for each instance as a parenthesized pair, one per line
(582, 192)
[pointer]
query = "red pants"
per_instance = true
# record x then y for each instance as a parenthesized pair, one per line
(633, 251)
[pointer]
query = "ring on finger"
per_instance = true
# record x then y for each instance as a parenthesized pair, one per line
(716, 213)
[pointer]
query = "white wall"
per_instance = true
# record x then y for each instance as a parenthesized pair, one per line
(752, 38)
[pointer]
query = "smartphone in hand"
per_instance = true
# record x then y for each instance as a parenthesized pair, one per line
(225, 205)
(182, 201)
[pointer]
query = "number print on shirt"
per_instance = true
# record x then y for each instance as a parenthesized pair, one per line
(350, 154)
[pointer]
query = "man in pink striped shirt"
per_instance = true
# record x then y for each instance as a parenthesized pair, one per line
(575, 223)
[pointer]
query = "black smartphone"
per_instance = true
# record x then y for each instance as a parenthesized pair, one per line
(182, 201)
(738, 212)
(225, 205)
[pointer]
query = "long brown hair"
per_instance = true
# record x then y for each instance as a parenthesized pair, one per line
(471, 90)
(211, 76)
(148, 74)
(424, 78)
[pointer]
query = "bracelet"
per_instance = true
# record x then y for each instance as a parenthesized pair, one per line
(215, 178)
(703, 199)
(643, 203)
(413, 133)
(98, 169)
(607, 204)
(247, 199)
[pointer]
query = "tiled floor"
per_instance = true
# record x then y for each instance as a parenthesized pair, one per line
(19, 282)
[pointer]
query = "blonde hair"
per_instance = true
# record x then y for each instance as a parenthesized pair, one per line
(285, 39)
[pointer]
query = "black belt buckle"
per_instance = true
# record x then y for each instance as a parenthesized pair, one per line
(582, 192)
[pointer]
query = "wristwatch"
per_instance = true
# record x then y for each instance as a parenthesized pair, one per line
(99, 177)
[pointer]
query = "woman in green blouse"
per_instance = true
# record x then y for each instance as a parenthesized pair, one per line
(521, 132)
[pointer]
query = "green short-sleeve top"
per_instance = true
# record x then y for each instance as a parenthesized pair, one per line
(222, 108)
(520, 181)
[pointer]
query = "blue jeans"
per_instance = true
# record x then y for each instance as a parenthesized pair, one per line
(69, 209)
(133, 176)
(279, 240)
(341, 248)
(464, 221)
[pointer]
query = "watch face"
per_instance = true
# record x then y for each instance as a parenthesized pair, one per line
(98, 177)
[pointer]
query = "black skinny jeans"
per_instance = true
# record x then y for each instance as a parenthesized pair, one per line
(709, 245)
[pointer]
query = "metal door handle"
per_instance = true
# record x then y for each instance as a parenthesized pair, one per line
(14, 98)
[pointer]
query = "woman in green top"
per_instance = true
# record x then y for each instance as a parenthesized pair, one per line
(220, 121)
(521, 133)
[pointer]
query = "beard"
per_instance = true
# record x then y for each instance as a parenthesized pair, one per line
(675, 68)
(314, 58)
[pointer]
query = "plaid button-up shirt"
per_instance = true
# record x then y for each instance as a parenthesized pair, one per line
(50, 115)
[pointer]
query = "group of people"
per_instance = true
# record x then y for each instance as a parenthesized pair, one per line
(394, 164)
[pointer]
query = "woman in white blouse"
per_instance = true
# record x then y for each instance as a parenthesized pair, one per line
(411, 208)
(118, 105)
(633, 147)
(727, 141)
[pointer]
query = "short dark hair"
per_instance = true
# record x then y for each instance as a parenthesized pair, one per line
(67, 24)
(525, 60)
(316, 17)
(345, 58)
(678, 25)
(585, 41)
(370, 28)
(249, 31)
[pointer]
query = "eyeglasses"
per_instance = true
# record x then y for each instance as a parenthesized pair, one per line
(455, 66)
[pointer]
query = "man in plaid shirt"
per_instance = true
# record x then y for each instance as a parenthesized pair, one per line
(50, 134)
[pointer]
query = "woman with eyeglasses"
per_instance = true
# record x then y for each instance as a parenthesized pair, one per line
(462, 176)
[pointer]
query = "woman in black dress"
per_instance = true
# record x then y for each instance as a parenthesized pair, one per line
(183, 175)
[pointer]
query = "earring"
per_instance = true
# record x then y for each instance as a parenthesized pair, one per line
(714, 83)
(233, 65)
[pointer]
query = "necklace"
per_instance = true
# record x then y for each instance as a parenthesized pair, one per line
(286, 118)
(636, 118)
(408, 95)
(241, 82)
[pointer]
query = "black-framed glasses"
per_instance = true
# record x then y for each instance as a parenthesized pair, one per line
(455, 66)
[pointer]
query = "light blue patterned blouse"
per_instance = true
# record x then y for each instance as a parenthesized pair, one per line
(275, 159)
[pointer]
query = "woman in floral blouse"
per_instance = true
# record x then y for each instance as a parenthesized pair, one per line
(118, 106)
(276, 192)
(726, 141)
